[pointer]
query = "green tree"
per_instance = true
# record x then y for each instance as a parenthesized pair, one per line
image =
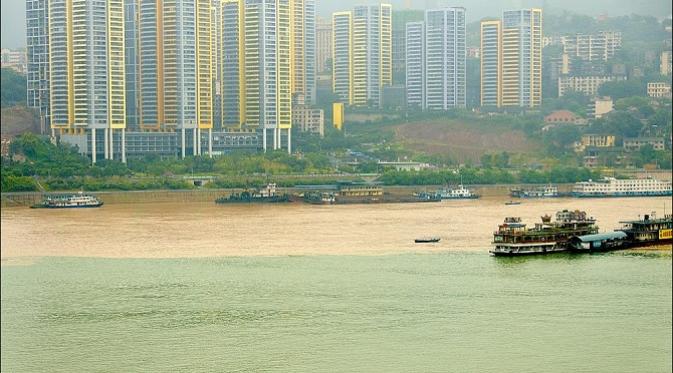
(12, 88)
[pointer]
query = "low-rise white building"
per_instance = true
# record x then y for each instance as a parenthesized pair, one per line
(309, 120)
(587, 85)
(659, 89)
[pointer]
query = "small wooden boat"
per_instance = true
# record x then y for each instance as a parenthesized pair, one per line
(428, 240)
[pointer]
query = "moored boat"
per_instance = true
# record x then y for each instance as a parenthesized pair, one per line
(427, 240)
(265, 195)
(649, 230)
(547, 191)
(69, 201)
(612, 187)
(461, 192)
(514, 238)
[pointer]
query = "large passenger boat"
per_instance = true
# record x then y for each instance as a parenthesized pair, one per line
(69, 201)
(515, 238)
(611, 187)
(547, 191)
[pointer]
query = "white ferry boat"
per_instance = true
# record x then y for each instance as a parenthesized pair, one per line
(548, 191)
(457, 193)
(70, 201)
(611, 187)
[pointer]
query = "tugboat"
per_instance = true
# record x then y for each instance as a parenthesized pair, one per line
(514, 238)
(71, 201)
(266, 195)
(457, 193)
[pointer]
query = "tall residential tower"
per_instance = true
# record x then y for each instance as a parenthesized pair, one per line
(87, 72)
(436, 53)
(511, 69)
(362, 54)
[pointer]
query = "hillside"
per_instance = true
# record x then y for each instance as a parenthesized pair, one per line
(16, 120)
(461, 140)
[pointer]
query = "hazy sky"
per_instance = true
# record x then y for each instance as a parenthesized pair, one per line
(13, 11)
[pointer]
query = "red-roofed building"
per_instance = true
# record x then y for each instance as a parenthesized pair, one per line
(564, 117)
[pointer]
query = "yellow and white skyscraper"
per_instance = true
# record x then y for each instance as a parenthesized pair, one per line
(362, 54)
(87, 72)
(511, 63)
(268, 68)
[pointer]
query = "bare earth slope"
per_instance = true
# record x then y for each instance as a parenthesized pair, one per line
(461, 140)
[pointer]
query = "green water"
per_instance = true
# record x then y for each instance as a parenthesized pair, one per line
(455, 312)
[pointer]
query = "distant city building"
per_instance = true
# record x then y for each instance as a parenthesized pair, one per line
(362, 54)
(588, 85)
(400, 20)
(659, 90)
(596, 141)
(592, 47)
(511, 63)
(323, 45)
(14, 59)
(436, 60)
(309, 120)
(634, 144)
(599, 107)
(665, 63)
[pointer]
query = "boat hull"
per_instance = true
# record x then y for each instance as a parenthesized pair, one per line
(67, 207)
(525, 250)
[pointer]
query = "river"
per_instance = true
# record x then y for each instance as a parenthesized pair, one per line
(199, 287)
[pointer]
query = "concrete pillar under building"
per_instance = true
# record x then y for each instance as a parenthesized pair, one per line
(289, 141)
(93, 145)
(198, 141)
(123, 145)
(183, 143)
(112, 144)
(195, 148)
(210, 142)
(275, 139)
(106, 143)
(264, 139)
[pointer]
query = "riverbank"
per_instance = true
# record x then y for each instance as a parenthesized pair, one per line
(204, 195)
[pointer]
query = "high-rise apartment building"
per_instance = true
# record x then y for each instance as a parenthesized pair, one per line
(131, 43)
(323, 45)
(436, 58)
(592, 47)
(362, 54)
(175, 69)
(342, 56)
(415, 61)
(303, 50)
(268, 68)
(87, 72)
(511, 68)
(37, 59)
(231, 64)
(491, 63)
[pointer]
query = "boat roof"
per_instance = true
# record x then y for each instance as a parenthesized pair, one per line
(617, 235)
